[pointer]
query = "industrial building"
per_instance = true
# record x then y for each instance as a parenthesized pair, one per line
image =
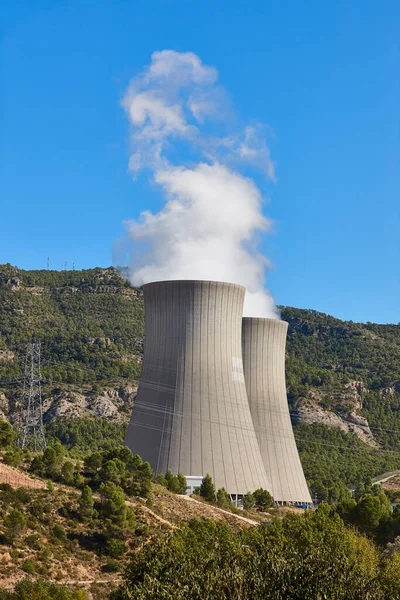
(191, 413)
(263, 344)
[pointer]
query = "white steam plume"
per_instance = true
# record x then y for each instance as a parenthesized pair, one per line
(209, 224)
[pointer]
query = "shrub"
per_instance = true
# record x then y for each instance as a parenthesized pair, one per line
(29, 566)
(160, 479)
(7, 434)
(14, 458)
(59, 532)
(111, 566)
(33, 541)
(115, 548)
(44, 590)
(14, 523)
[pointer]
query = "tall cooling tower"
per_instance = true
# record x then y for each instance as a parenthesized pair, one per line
(191, 413)
(263, 344)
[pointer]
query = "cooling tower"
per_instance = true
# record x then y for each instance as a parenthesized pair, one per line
(263, 344)
(191, 413)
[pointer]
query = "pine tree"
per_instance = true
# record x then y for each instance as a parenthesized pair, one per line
(248, 501)
(86, 503)
(207, 488)
(182, 483)
(223, 498)
(263, 499)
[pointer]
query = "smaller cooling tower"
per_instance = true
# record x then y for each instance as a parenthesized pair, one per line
(263, 344)
(191, 412)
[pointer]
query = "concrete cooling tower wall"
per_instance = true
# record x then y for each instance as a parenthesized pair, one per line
(191, 412)
(263, 343)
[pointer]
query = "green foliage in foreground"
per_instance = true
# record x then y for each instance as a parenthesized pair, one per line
(333, 459)
(42, 590)
(299, 558)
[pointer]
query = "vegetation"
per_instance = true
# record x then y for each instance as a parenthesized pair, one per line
(91, 327)
(90, 324)
(325, 352)
(42, 590)
(207, 489)
(82, 436)
(299, 558)
(333, 460)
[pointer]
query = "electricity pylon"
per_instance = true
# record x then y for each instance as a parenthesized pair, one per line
(32, 434)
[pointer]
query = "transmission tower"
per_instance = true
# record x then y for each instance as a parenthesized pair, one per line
(32, 430)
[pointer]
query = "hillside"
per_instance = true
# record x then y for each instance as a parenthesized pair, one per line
(343, 377)
(48, 530)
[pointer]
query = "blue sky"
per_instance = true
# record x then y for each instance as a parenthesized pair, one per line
(323, 75)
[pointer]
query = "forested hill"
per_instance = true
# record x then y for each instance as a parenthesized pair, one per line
(343, 377)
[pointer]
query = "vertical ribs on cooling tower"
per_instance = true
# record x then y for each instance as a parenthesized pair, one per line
(191, 413)
(263, 344)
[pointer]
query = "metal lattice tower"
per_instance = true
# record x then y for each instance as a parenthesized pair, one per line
(32, 430)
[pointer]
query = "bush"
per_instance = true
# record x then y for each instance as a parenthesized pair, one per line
(29, 566)
(59, 532)
(7, 434)
(160, 479)
(43, 590)
(14, 523)
(111, 566)
(33, 541)
(14, 458)
(115, 548)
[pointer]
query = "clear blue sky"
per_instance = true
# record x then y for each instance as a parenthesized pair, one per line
(325, 75)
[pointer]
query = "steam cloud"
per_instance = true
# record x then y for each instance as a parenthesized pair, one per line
(211, 220)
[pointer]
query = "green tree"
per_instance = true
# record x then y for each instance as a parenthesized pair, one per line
(14, 457)
(298, 558)
(182, 483)
(14, 523)
(67, 472)
(172, 484)
(93, 462)
(263, 499)
(370, 511)
(223, 498)
(207, 488)
(248, 501)
(113, 470)
(119, 517)
(160, 479)
(86, 503)
(52, 460)
(43, 590)
(7, 434)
